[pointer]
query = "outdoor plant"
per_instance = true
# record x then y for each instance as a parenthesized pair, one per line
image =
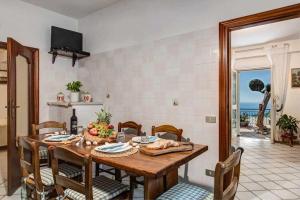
(288, 124)
(74, 86)
(244, 117)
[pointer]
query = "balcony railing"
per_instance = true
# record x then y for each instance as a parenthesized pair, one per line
(252, 115)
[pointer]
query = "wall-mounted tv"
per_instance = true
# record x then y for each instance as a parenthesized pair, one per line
(65, 39)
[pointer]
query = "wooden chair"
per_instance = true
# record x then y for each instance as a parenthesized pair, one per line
(46, 125)
(130, 127)
(229, 167)
(168, 129)
(38, 180)
(49, 124)
(100, 187)
(134, 128)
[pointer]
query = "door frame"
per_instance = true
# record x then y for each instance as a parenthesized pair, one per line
(225, 29)
(33, 114)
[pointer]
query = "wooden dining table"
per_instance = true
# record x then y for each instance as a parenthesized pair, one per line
(152, 168)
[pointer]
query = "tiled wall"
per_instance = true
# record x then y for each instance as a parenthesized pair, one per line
(143, 80)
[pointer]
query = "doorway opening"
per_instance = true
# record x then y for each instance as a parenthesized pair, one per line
(251, 109)
(267, 40)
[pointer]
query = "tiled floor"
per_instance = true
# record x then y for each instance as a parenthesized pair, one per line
(269, 171)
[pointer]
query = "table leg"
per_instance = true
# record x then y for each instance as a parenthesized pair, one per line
(97, 169)
(118, 175)
(156, 186)
(153, 187)
(171, 179)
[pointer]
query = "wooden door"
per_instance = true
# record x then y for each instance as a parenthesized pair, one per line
(23, 103)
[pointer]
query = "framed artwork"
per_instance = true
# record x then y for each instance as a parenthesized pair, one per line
(296, 78)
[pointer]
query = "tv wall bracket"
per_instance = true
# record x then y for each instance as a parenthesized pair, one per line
(69, 54)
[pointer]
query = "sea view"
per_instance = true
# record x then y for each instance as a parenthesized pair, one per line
(251, 106)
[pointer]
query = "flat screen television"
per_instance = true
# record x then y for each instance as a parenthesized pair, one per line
(65, 39)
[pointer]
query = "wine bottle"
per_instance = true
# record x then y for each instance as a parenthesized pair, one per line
(73, 123)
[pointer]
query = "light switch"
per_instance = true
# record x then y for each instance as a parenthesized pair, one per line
(210, 119)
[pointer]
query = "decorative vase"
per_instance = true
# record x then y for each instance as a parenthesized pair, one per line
(74, 96)
(87, 97)
(60, 97)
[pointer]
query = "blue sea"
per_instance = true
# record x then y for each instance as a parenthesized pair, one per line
(251, 106)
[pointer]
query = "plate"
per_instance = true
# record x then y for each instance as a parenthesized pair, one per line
(114, 148)
(60, 138)
(138, 139)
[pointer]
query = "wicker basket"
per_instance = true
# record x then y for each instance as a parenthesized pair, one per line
(89, 137)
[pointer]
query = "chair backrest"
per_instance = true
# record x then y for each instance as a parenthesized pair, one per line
(230, 168)
(29, 161)
(61, 182)
(168, 129)
(48, 124)
(130, 125)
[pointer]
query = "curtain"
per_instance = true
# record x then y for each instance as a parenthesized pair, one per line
(279, 58)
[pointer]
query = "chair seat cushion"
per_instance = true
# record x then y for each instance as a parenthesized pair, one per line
(183, 191)
(103, 188)
(64, 170)
(43, 152)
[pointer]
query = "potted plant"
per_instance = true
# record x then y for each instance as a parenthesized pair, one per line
(74, 88)
(288, 125)
(244, 120)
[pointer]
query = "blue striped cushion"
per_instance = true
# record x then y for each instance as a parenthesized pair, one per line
(183, 191)
(43, 153)
(103, 189)
(64, 170)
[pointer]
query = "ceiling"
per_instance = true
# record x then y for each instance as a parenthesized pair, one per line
(72, 8)
(288, 30)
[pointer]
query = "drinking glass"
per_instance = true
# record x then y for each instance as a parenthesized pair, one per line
(121, 137)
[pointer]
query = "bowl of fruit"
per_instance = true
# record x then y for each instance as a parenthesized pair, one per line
(101, 131)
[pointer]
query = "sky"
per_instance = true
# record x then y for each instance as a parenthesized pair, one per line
(246, 95)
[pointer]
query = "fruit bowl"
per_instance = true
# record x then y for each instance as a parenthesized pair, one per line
(100, 132)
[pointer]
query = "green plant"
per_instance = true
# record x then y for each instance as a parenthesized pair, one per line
(103, 116)
(244, 117)
(74, 86)
(288, 124)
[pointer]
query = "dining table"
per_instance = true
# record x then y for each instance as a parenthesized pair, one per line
(160, 172)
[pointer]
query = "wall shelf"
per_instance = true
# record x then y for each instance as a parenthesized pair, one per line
(69, 54)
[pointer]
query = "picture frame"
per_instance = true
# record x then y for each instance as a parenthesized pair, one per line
(295, 78)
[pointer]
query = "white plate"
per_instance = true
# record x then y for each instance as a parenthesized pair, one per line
(114, 148)
(60, 138)
(138, 139)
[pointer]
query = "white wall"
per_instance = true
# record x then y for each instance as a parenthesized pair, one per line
(30, 25)
(131, 22)
(293, 94)
(146, 53)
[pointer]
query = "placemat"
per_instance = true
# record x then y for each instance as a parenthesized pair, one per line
(77, 138)
(115, 155)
